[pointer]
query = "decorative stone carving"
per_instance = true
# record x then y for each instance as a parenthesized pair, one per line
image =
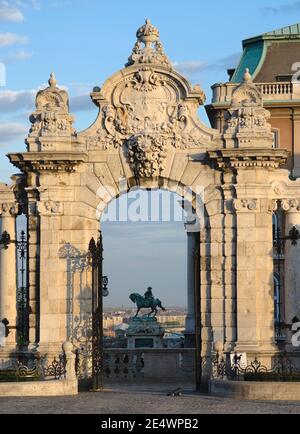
(147, 155)
(249, 158)
(9, 205)
(290, 205)
(279, 188)
(50, 208)
(9, 209)
(273, 205)
(244, 205)
(247, 94)
(51, 117)
(147, 103)
(48, 162)
(247, 116)
(148, 48)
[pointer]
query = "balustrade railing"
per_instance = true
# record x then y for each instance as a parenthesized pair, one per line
(134, 364)
(270, 91)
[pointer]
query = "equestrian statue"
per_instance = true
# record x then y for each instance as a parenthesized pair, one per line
(147, 302)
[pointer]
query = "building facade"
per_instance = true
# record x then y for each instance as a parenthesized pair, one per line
(273, 61)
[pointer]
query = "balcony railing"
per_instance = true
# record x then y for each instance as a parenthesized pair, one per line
(279, 91)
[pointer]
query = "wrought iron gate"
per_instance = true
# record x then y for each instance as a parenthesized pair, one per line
(198, 319)
(96, 252)
(22, 298)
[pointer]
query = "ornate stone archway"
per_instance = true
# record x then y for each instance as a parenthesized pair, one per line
(148, 134)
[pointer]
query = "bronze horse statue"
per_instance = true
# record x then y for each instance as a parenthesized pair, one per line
(144, 303)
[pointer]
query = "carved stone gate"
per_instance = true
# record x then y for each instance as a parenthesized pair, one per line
(148, 134)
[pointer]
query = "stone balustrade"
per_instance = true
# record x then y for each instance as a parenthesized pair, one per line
(222, 93)
(163, 364)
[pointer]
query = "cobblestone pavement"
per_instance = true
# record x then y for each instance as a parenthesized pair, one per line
(143, 400)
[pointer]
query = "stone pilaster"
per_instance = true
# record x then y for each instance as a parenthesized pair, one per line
(65, 281)
(33, 229)
(229, 270)
(212, 263)
(255, 293)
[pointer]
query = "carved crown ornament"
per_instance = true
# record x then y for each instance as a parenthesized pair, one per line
(148, 48)
(148, 110)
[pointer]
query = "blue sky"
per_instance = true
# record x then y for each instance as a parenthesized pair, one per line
(85, 41)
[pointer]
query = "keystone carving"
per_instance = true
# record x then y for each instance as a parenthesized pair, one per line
(147, 155)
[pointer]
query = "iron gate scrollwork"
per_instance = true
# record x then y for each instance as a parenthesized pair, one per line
(96, 252)
(22, 298)
(282, 369)
(22, 292)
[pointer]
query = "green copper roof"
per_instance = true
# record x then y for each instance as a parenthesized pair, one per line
(255, 49)
(250, 59)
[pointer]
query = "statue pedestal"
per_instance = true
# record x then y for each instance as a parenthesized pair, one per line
(144, 332)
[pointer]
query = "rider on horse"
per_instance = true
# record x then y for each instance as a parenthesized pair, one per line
(146, 302)
(149, 295)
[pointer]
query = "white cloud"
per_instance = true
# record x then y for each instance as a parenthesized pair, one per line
(9, 12)
(19, 55)
(11, 39)
(11, 131)
(193, 67)
(190, 67)
(12, 101)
